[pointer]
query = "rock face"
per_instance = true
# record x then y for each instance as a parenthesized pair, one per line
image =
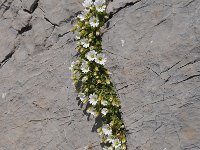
(153, 52)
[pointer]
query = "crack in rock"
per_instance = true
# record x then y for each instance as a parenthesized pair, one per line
(160, 22)
(191, 77)
(32, 8)
(72, 17)
(170, 67)
(123, 7)
(190, 63)
(53, 24)
(190, 2)
(25, 29)
(7, 57)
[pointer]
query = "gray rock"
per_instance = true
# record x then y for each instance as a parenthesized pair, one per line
(38, 106)
(30, 5)
(153, 52)
(154, 55)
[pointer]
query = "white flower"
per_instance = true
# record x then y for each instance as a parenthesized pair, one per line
(84, 67)
(116, 143)
(85, 43)
(72, 66)
(87, 3)
(91, 55)
(107, 131)
(78, 37)
(100, 59)
(82, 96)
(85, 78)
(99, 2)
(100, 5)
(101, 8)
(81, 17)
(83, 14)
(86, 11)
(104, 111)
(104, 103)
(93, 99)
(94, 22)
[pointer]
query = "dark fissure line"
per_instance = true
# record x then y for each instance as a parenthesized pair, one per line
(7, 57)
(25, 29)
(193, 76)
(192, 62)
(32, 8)
(54, 24)
(123, 7)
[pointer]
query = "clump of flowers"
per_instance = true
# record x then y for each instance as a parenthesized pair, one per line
(96, 89)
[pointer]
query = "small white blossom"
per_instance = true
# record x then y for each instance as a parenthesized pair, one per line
(85, 43)
(78, 37)
(86, 11)
(72, 66)
(87, 3)
(83, 14)
(94, 22)
(84, 79)
(100, 5)
(93, 99)
(100, 59)
(104, 111)
(116, 143)
(101, 8)
(104, 103)
(107, 131)
(91, 55)
(84, 67)
(82, 96)
(81, 17)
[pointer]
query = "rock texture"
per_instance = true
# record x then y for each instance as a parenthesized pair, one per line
(38, 106)
(154, 54)
(154, 49)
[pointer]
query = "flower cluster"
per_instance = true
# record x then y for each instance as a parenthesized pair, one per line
(96, 90)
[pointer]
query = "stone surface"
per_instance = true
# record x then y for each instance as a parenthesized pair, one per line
(38, 106)
(154, 55)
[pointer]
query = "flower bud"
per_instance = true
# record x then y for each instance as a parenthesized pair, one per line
(98, 81)
(91, 47)
(90, 40)
(85, 79)
(86, 90)
(123, 146)
(90, 35)
(123, 140)
(106, 17)
(96, 68)
(107, 81)
(86, 23)
(75, 71)
(108, 72)
(82, 32)
(81, 50)
(97, 33)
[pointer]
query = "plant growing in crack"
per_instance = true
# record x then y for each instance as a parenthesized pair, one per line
(96, 90)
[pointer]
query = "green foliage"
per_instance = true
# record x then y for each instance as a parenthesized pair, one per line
(96, 90)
